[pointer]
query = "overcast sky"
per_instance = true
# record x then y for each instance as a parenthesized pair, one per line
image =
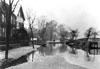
(80, 14)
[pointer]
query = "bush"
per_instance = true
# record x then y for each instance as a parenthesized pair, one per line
(24, 42)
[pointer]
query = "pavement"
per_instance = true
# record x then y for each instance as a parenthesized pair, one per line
(18, 52)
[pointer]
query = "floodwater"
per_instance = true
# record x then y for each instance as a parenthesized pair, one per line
(46, 51)
(93, 62)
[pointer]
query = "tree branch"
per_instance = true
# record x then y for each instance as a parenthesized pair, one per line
(12, 2)
(9, 1)
(33, 19)
(15, 6)
(2, 10)
(4, 7)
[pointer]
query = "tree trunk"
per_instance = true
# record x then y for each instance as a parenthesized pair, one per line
(32, 38)
(8, 30)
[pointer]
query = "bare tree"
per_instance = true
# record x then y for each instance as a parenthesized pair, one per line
(73, 36)
(89, 32)
(46, 28)
(51, 29)
(31, 20)
(88, 35)
(42, 26)
(63, 33)
(8, 10)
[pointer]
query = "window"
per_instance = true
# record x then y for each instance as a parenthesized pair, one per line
(0, 31)
(19, 14)
(3, 30)
(11, 20)
(17, 25)
(11, 33)
(3, 18)
(14, 21)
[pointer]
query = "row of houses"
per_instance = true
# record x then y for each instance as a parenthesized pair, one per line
(17, 20)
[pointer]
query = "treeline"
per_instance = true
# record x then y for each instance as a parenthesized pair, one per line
(44, 29)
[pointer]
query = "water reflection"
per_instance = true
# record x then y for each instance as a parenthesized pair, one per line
(49, 50)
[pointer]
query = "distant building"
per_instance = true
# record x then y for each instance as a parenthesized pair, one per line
(90, 39)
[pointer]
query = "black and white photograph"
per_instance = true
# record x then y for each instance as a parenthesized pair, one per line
(49, 34)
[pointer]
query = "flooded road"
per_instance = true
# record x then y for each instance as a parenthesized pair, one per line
(46, 51)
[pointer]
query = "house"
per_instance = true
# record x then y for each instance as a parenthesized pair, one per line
(17, 20)
(20, 18)
(3, 22)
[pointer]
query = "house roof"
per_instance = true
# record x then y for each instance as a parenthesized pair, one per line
(18, 10)
(21, 13)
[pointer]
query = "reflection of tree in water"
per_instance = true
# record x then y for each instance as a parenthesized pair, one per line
(43, 52)
(63, 48)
